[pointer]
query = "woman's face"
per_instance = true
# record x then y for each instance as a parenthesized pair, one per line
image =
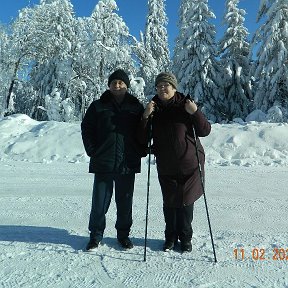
(165, 91)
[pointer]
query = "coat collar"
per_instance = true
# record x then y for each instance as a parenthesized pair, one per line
(177, 100)
(108, 97)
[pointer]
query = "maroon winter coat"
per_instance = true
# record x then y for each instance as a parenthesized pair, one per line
(175, 150)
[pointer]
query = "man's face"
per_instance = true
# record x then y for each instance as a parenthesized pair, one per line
(118, 87)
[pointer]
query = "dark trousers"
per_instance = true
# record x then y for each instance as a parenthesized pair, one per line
(101, 199)
(178, 223)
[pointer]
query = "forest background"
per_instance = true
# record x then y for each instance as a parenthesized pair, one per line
(54, 64)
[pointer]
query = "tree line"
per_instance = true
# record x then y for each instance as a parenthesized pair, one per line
(53, 64)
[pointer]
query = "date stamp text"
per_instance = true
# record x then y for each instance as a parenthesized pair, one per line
(261, 254)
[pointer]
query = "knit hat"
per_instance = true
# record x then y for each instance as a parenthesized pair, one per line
(119, 75)
(166, 77)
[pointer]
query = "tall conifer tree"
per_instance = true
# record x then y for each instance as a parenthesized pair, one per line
(155, 43)
(195, 65)
(107, 43)
(271, 73)
(234, 50)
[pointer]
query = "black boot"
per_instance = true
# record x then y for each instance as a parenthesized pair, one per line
(168, 245)
(126, 243)
(186, 246)
(92, 244)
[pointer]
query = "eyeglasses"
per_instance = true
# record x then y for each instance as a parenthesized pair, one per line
(166, 85)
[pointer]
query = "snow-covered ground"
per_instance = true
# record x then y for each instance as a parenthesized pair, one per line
(45, 197)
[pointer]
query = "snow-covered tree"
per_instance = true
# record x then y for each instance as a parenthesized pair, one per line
(13, 61)
(155, 44)
(52, 70)
(271, 41)
(50, 50)
(180, 50)
(5, 69)
(234, 50)
(107, 44)
(53, 105)
(147, 63)
(137, 85)
(195, 65)
(42, 36)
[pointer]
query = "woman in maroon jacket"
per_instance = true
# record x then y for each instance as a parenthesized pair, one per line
(173, 118)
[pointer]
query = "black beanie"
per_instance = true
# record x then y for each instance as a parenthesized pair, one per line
(119, 75)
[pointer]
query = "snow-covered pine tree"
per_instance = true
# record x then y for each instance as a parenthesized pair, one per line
(234, 50)
(180, 50)
(271, 41)
(155, 43)
(107, 44)
(195, 65)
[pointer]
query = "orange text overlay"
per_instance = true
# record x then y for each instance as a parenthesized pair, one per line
(261, 254)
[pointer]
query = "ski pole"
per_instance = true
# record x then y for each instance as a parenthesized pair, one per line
(148, 185)
(202, 184)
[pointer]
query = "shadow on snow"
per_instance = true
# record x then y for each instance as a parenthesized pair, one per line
(34, 234)
(37, 235)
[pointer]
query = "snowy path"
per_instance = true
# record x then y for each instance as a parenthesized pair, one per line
(44, 210)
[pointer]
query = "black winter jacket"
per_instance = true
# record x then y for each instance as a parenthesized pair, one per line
(109, 135)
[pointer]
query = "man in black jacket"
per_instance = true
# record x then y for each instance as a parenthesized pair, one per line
(109, 136)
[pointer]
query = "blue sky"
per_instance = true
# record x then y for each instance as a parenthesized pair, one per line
(134, 13)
